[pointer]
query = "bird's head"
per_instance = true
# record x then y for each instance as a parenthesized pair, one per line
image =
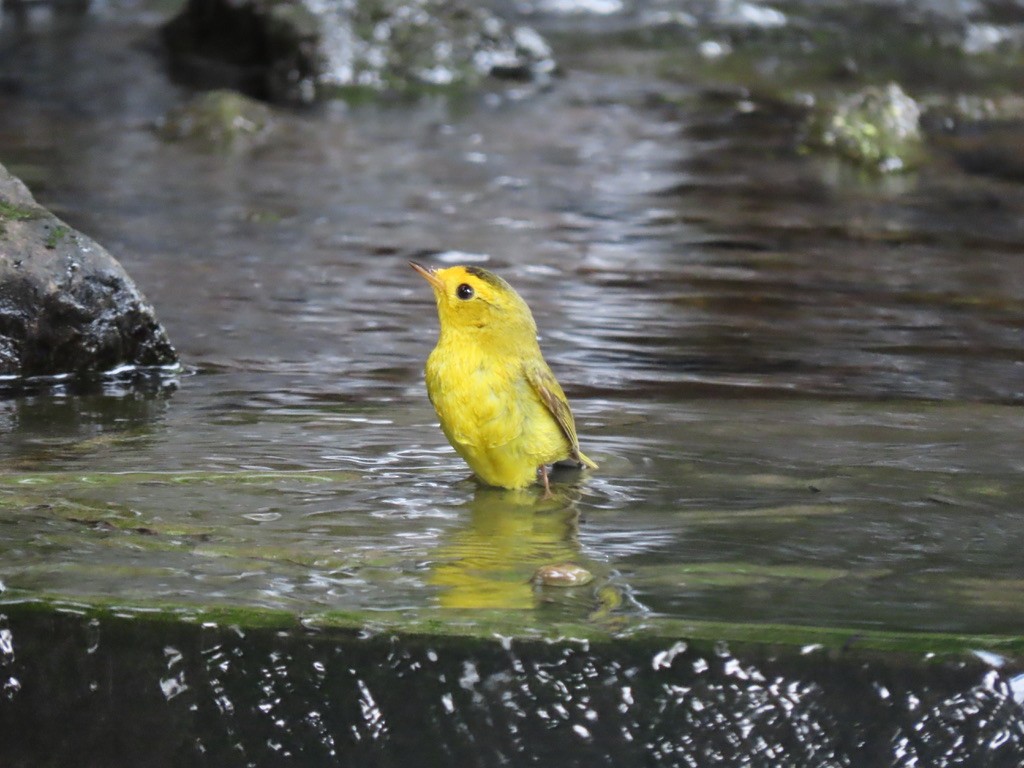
(474, 300)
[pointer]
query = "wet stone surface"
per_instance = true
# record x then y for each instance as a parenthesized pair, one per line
(66, 305)
(184, 694)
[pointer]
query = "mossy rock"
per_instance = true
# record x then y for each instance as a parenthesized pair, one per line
(876, 128)
(218, 120)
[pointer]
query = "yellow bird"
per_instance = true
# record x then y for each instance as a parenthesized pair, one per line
(499, 404)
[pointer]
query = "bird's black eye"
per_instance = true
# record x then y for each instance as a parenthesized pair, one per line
(464, 291)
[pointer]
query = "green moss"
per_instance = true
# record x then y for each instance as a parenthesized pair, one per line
(218, 120)
(11, 212)
(486, 625)
(877, 128)
(57, 234)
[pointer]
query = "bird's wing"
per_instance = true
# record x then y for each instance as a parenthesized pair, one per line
(550, 392)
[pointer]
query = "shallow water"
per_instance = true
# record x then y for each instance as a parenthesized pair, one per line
(803, 385)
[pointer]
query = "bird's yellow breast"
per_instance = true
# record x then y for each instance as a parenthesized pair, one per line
(491, 414)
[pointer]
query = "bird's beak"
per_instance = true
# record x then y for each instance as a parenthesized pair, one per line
(429, 274)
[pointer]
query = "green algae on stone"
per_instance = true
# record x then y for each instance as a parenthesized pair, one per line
(876, 128)
(12, 212)
(15, 212)
(57, 233)
(489, 624)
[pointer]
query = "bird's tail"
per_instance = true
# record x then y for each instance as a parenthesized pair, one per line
(582, 458)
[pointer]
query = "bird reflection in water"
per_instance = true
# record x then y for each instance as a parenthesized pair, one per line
(508, 536)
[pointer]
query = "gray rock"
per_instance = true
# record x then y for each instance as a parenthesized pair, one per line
(299, 50)
(66, 305)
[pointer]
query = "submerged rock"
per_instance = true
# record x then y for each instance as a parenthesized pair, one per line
(562, 575)
(878, 128)
(66, 305)
(297, 50)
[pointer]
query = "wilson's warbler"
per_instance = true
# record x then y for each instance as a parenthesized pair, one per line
(499, 404)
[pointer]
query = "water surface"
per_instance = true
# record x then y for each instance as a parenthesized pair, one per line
(803, 384)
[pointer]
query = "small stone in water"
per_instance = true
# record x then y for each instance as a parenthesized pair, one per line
(876, 127)
(562, 575)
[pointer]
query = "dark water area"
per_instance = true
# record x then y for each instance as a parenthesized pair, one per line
(802, 381)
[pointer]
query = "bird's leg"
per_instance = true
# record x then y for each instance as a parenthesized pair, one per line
(543, 469)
